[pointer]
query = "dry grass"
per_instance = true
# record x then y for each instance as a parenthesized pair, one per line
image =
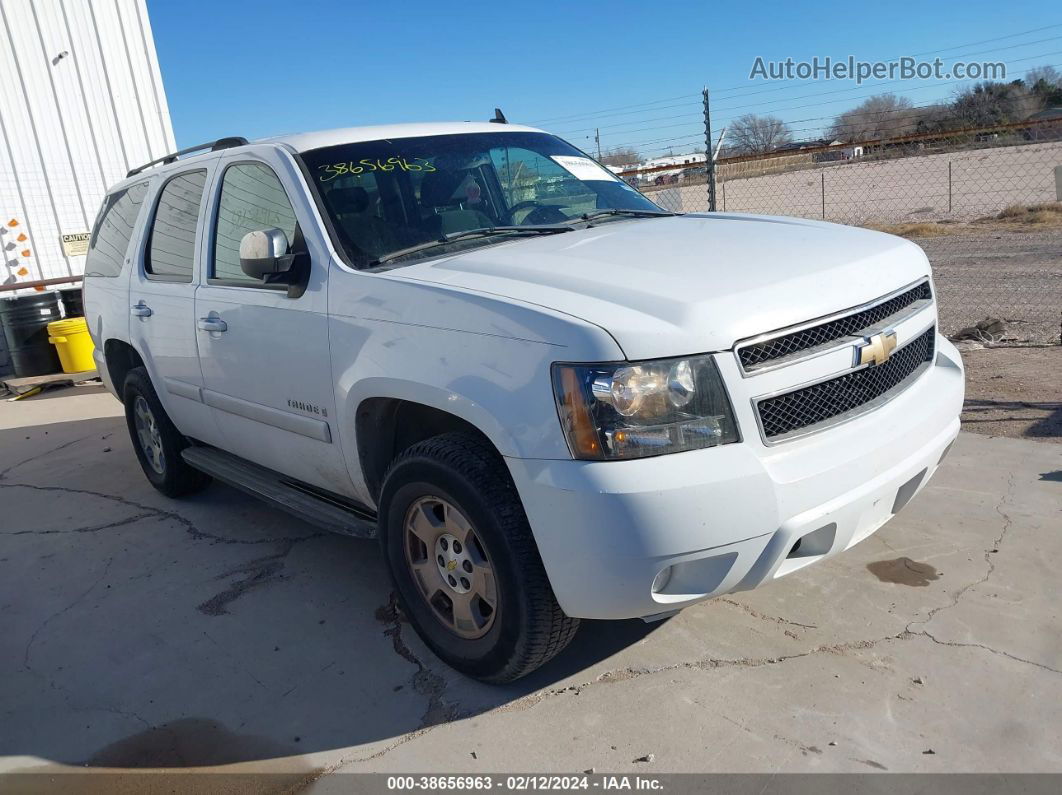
(1014, 217)
(916, 229)
(1045, 214)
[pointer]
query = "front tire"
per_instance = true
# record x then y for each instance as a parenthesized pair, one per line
(464, 561)
(156, 440)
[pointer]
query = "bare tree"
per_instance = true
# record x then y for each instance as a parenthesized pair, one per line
(991, 103)
(1047, 73)
(621, 156)
(1044, 83)
(881, 116)
(752, 134)
(939, 117)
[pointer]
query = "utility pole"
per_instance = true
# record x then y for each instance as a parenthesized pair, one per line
(708, 152)
(597, 140)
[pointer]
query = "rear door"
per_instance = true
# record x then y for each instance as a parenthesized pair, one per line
(265, 357)
(162, 299)
(106, 290)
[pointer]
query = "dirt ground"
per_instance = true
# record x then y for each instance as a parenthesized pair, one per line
(1014, 392)
(1014, 274)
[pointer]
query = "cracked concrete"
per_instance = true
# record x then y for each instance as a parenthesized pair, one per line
(139, 630)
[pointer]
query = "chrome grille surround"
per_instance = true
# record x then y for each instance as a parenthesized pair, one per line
(823, 335)
(809, 408)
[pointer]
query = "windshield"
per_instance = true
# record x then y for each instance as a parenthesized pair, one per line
(387, 196)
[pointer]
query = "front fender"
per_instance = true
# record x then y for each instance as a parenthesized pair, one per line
(501, 387)
(483, 358)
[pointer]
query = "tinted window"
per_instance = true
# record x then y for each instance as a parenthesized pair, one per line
(384, 196)
(172, 248)
(252, 199)
(113, 229)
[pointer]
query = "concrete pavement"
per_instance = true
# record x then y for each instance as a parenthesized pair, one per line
(138, 631)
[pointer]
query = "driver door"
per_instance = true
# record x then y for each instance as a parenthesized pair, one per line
(265, 359)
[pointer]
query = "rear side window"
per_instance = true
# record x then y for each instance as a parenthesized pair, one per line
(171, 251)
(113, 230)
(252, 199)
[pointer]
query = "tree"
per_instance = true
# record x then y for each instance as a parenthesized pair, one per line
(752, 134)
(1047, 74)
(621, 156)
(1045, 84)
(881, 116)
(934, 118)
(988, 103)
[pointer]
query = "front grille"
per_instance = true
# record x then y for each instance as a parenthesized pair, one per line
(760, 353)
(827, 400)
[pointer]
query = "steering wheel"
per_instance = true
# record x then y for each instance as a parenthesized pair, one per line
(540, 213)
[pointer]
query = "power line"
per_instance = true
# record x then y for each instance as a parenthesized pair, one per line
(809, 96)
(903, 91)
(743, 88)
(727, 119)
(674, 140)
(621, 107)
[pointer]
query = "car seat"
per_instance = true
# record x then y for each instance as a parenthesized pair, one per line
(443, 212)
(370, 233)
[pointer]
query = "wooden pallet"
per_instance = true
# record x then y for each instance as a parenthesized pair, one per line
(21, 386)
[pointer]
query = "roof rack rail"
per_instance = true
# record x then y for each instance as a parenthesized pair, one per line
(213, 146)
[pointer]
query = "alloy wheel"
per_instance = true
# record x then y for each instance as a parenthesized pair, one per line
(450, 567)
(147, 432)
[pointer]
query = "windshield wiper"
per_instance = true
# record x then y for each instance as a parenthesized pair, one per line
(486, 231)
(590, 216)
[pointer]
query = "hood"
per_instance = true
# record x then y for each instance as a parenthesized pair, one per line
(688, 284)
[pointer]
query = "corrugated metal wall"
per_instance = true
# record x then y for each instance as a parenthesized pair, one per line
(81, 102)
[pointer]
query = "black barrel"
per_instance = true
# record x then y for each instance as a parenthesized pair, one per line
(73, 302)
(25, 322)
(5, 358)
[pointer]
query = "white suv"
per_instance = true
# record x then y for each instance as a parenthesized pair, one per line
(548, 398)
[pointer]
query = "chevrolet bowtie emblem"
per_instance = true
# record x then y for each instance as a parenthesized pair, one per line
(451, 565)
(876, 349)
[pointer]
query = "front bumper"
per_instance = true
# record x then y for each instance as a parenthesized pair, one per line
(727, 518)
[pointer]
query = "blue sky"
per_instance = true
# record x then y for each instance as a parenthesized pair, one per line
(634, 69)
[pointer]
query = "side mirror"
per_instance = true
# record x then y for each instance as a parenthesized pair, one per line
(265, 253)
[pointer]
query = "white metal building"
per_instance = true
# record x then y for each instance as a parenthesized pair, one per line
(81, 102)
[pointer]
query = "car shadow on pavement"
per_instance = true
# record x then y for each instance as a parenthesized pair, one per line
(139, 631)
(1041, 420)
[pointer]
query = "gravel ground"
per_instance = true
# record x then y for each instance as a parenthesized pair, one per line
(1015, 392)
(998, 273)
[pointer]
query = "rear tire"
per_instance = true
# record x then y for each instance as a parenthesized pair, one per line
(502, 620)
(156, 440)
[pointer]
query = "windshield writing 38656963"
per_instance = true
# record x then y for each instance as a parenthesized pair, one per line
(333, 170)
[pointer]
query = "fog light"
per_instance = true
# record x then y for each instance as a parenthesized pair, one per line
(661, 580)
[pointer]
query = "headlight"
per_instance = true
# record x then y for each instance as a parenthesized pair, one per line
(638, 409)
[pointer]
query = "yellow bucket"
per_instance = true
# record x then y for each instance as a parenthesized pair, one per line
(73, 344)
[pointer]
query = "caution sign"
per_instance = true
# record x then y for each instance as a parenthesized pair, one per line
(75, 245)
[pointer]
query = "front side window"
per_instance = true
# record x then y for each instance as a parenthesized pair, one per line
(387, 196)
(252, 199)
(171, 250)
(113, 230)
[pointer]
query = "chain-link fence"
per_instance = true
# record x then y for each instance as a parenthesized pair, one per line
(985, 204)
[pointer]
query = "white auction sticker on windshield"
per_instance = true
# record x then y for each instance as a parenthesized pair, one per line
(584, 168)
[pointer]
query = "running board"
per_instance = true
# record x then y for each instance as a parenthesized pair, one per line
(327, 511)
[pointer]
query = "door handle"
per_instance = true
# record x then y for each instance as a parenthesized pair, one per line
(212, 324)
(140, 310)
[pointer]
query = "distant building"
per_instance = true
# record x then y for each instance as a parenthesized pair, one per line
(824, 149)
(81, 102)
(679, 163)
